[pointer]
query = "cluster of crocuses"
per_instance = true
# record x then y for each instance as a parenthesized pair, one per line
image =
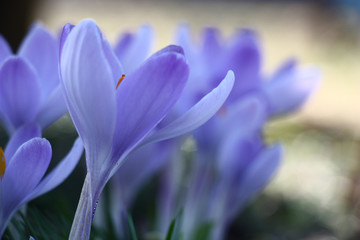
(133, 114)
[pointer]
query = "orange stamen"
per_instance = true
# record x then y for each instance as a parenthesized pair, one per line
(120, 80)
(2, 163)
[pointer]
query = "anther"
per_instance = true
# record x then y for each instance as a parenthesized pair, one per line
(2, 163)
(120, 80)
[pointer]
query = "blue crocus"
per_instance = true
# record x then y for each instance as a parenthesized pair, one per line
(113, 114)
(22, 168)
(30, 91)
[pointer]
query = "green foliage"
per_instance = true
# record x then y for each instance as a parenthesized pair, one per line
(174, 231)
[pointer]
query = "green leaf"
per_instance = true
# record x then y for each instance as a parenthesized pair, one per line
(131, 227)
(174, 232)
(203, 231)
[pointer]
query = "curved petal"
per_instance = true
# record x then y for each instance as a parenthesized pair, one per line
(133, 49)
(52, 109)
(256, 176)
(22, 135)
(198, 114)
(61, 172)
(40, 48)
(146, 96)
(89, 90)
(5, 50)
(19, 91)
(24, 172)
(290, 89)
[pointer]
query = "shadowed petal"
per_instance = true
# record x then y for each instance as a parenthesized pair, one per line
(24, 172)
(40, 48)
(113, 62)
(244, 58)
(198, 114)
(61, 172)
(146, 95)
(236, 151)
(257, 175)
(89, 90)
(245, 115)
(5, 50)
(133, 49)
(21, 136)
(288, 90)
(19, 91)
(52, 109)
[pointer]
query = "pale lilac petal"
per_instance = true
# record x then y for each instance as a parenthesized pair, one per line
(19, 91)
(61, 172)
(146, 96)
(52, 109)
(89, 90)
(132, 50)
(5, 50)
(245, 115)
(290, 89)
(24, 172)
(198, 114)
(22, 135)
(40, 48)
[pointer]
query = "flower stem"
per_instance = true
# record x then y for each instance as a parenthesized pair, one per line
(81, 227)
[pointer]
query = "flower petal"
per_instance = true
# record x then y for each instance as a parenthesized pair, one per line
(24, 172)
(19, 91)
(5, 50)
(198, 114)
(61, 172)
(89, 90)
(40, 48)
(288, 90)
(52, 109)
(245, 115)
(133, 49)
(244, 58)
(146, 96)
(22, 135)
(256, 176)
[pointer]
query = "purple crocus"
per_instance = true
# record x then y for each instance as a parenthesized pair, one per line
(232, 162)
(112, 118)
(29, 83)
(23, 166)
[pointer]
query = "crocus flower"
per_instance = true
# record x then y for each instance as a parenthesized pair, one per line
(113, 118)
(231, 163)
(22, 168)
(29, 84)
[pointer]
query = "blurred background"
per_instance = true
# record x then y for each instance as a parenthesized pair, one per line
(316, 193)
